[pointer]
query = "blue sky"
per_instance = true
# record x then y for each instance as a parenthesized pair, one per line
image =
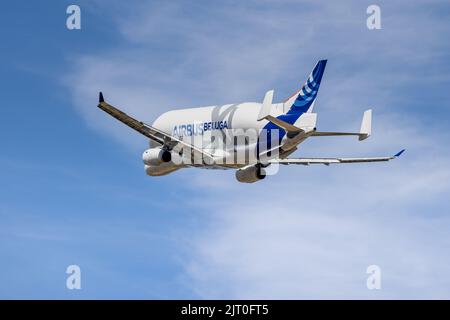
(73, 189)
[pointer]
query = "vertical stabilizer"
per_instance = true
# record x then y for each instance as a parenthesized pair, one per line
(303, 100)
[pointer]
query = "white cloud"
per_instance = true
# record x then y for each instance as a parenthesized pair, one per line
(266, 251)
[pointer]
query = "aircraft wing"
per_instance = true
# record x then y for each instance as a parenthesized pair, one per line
(328, 161)
(153, 133)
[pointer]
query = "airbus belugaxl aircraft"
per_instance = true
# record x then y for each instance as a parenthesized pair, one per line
(248, 137)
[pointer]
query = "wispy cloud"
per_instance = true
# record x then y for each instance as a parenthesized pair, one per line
(264, 250)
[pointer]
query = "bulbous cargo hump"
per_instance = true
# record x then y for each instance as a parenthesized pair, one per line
(230, 116)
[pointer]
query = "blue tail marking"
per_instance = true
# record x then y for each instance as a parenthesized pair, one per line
(308, 92)
(304, 100)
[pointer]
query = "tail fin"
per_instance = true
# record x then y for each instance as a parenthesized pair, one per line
(303, 100)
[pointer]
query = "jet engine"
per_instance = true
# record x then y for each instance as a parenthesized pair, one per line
(250, 174)
(156, 156)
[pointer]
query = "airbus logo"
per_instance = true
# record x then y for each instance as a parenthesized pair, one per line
(198, 128)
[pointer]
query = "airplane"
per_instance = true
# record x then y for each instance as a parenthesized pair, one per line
(247, 137)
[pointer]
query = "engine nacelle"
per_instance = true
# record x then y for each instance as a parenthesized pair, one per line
(250, 174)
(156, 156)
(161, 169)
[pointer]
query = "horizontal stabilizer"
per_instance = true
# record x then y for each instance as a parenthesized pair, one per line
(364, 132)
(264, 114)
(289, 128)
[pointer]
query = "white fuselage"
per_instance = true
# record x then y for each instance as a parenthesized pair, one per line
(219, 130)
(237, 116)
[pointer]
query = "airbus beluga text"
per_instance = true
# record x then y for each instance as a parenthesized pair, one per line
(247, 137)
